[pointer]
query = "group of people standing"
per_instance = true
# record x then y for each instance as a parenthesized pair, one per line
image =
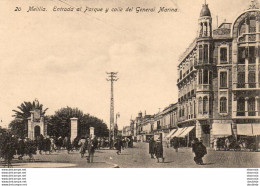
(88, 145)
(156, 149)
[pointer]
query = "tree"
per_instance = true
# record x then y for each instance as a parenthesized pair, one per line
(59, 123)
(19, 125)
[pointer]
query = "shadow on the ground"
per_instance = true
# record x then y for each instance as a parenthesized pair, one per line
(208, 163)
(167, 162)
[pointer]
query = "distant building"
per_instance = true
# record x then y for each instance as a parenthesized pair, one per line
(126, 131)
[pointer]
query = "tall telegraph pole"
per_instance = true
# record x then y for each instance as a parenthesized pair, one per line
(112, 76)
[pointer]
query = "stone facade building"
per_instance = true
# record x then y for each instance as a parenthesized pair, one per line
(219, 78)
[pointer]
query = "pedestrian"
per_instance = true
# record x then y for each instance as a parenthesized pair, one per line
(215, 144)
(227, 144)
(152, 147)
(159, 150)
(83, 146)
(127, 140)
(53, 147)
(68, 145)
(47, 145)
(199, 150)
(41, 144)
(118, 146)
(175, 143)
(91, 151)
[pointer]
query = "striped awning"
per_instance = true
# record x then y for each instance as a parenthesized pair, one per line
(178, 132)
(171, 133)
(186, 132)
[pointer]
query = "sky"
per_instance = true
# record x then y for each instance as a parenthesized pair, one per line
(61, 58)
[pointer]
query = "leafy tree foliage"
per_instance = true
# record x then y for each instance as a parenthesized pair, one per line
(59, 123)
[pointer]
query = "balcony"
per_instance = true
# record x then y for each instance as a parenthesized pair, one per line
(203, 116)
(203, 87)
(243, 86)
(246, 114)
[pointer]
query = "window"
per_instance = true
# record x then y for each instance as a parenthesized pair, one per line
(206, 54)
(252, 55)
(223, 80)
(252, 25)
(241, 80)
(241, 55)
(206, 77)
(200, 105)
(258, 106)
(191, 110)
(251, 107)
(223, 105)
(205, 105)
(251, 79)
(210, 77)
(242, 28)
(200, 77)
(223, 54)
(200, 53)
(241, 106)
(194, 110)
(158, 125)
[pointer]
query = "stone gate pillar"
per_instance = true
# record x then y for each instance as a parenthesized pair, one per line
(73, 128)
(91, 132)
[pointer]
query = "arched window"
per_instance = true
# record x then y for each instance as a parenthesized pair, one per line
(251, 107)
(241, 106)
(205, 105)
(200, 105)
(223, 105)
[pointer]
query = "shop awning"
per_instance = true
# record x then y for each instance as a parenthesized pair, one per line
(178, 132)
(256, 129)
(245, 129)
(219, 129)
(171, 133)
(186, 132)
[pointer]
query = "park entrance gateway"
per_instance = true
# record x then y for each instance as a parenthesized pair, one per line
(36, 126)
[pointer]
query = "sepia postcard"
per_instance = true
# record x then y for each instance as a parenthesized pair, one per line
(130, 84)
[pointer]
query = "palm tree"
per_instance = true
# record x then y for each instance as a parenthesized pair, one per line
(19, 125)
(25, 109)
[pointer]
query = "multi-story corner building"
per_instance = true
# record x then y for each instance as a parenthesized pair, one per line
(165, 121)
(219, 82)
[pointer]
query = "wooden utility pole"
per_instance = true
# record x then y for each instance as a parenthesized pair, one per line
(112, 76)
